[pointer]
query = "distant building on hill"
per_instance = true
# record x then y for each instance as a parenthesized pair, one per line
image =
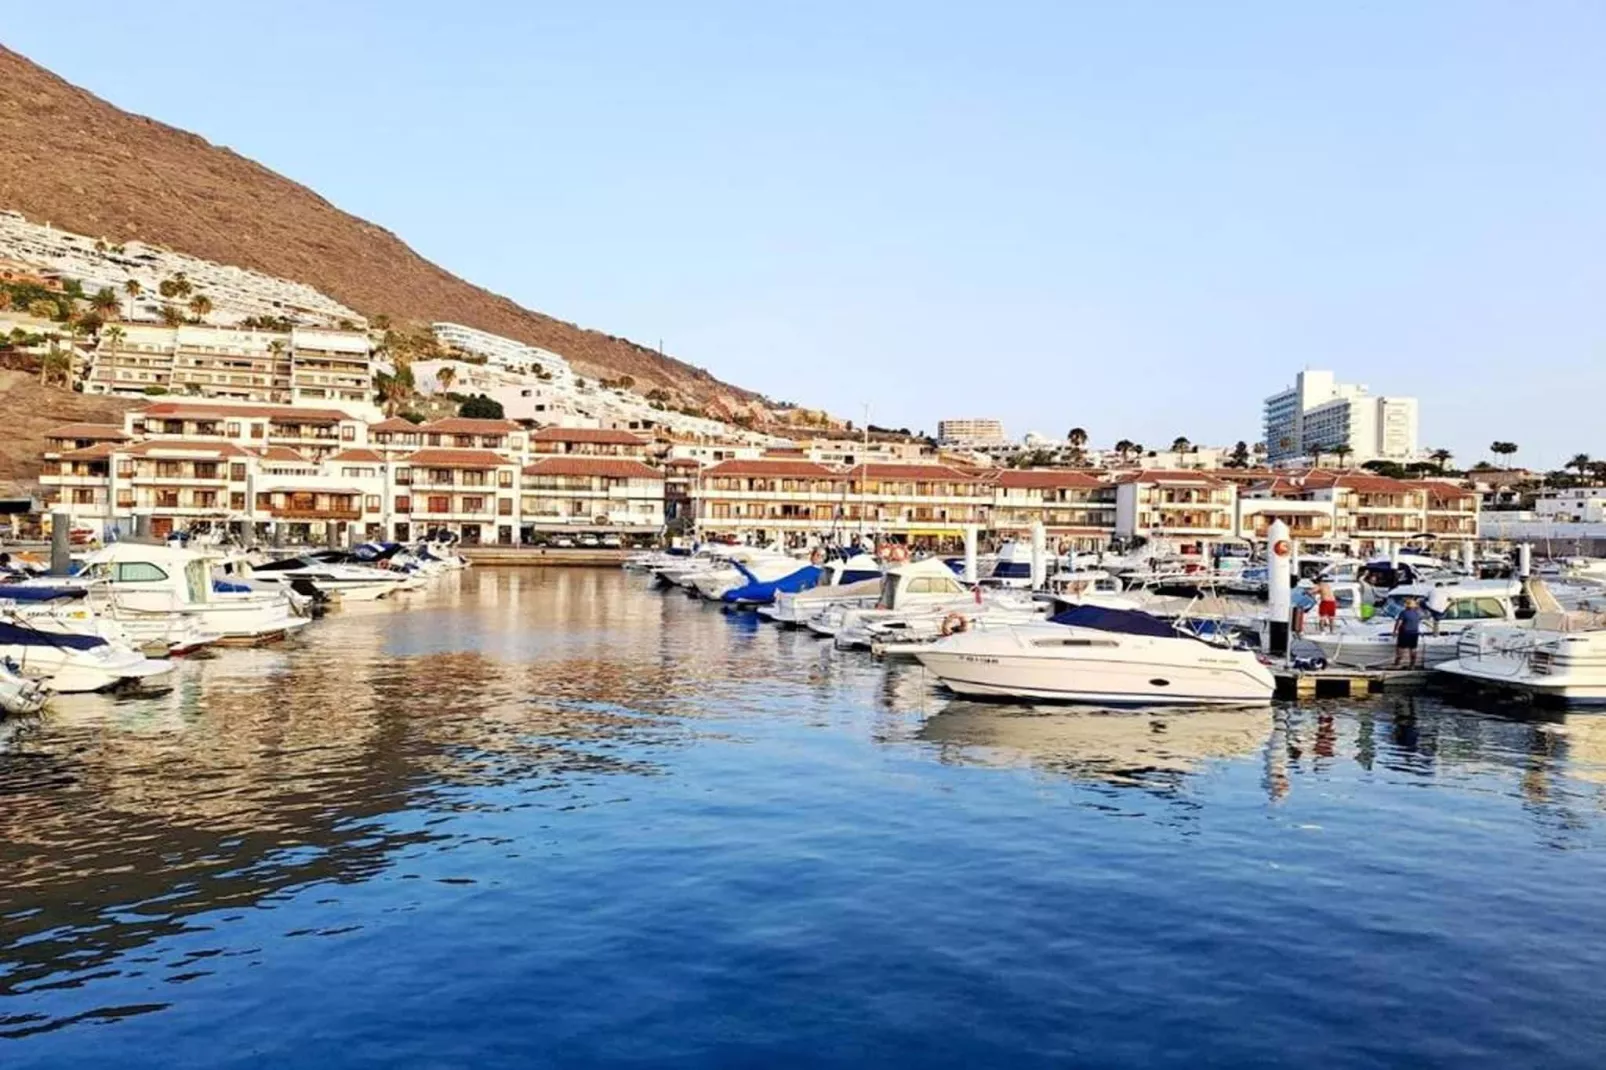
(1319, 415)
(971, 432)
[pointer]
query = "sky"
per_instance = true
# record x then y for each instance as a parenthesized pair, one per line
(1139, 219)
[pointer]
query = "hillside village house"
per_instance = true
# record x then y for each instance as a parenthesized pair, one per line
(620, 494)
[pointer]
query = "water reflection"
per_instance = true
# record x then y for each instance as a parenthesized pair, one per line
(504, 707)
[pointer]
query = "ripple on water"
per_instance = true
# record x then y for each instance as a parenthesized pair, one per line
(555, 817)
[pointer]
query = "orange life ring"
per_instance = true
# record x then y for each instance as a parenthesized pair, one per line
(954, 623)
(1281, 548)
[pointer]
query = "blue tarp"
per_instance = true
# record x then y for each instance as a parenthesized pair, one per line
(757, 591)
(19, 635)
(1123, 621)
(38, 594)
(225, 587)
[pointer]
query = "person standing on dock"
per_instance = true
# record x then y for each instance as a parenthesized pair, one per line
(1438, 604)
(1407, 633)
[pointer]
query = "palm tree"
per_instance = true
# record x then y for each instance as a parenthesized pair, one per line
(133, 289)
(171, 316)
(110, 339)
(1341, 451)
(55, 364)
(1240, 456)
(1440, 457)
(446, 377)
(1316, 456)
(1124, 447)
(200, 305)
(1077, 437)
(1180, 444)
(1503, 449)
(1582, 462)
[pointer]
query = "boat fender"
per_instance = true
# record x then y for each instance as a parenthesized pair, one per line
(954, 623)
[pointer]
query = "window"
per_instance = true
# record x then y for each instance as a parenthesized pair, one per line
(504, 506)
(440, 503)
(372, 503)
(404, 476)
(205, 469)
(138, 572)
(404, 503)
(237, 472)
(474, 504)
(257, 430)
(504, 478)
(233, 429)
(237, 502)
(348, 433)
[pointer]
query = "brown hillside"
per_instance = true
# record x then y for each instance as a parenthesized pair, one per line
(68, 157)
(31, 410)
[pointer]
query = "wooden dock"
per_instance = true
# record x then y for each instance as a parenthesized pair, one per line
(1339, 682)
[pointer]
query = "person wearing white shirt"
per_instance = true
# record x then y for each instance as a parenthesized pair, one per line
(1438, 604)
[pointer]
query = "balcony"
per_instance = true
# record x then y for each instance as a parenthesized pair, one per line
(290, 513)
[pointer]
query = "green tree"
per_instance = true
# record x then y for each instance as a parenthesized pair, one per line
(41, 308)
(480, 407)
(1440, 457)
(105, 302)
(1503, 449)
(1239, 457)
(1180, 444)
(446, 377)
(171, 316)
(1342, 452)
(1581, 462)
(1391, 469)
(200, 307)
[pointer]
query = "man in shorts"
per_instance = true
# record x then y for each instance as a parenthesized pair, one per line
(1326, 607)
(1407, 633)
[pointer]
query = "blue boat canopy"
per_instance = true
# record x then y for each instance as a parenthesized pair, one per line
(21, 635)
(12, 593)
(1123, 621)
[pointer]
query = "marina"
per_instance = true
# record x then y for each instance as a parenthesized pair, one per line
(626, 807)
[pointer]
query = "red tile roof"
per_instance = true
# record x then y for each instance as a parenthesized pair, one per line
(281, 453)
(174, 410)
(793, 469)
(98, 452)
(359, 455)
(1440, 491)
(1371, 484)
(602, 436)
(467, 425)
(1176, 478)
(912, 471)
(1046, 478)
(682, 462)
(184, 449)
(395, 423)
(92, 432)
(613, 467)
(444, 458)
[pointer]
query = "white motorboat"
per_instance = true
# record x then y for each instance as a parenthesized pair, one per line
(342, 583)
(148, 587)
(1370, 643)
(1560, 655)
(19, 695)
(924, 590)
(854, 580)
(68, 663)
(1090, 654)
(712, 584)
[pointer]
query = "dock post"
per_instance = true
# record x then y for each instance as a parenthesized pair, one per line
(1469, 557)
(1525, 560)
(1279, 587)
(1039, 552)
(60, 544)
(970, 553)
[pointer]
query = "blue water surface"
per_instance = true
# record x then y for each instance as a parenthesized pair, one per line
(556, 818)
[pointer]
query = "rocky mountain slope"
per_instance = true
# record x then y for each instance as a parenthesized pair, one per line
(31, 410)
(68, 157)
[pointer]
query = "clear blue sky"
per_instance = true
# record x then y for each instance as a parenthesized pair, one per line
(1138, 218)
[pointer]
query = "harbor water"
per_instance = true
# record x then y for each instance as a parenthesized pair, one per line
(553, 817)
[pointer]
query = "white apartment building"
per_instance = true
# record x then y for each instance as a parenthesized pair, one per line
(1573, 505)
(980, 431)
(1320, 414)
(314, 366)
(506, 353)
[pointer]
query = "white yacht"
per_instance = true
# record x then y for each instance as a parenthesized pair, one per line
(150, 589)
(70, 662)
(1370, 644)
(922, 591)
(341, 582)
(854, 581)
(1091, 654)
(1561, 655)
